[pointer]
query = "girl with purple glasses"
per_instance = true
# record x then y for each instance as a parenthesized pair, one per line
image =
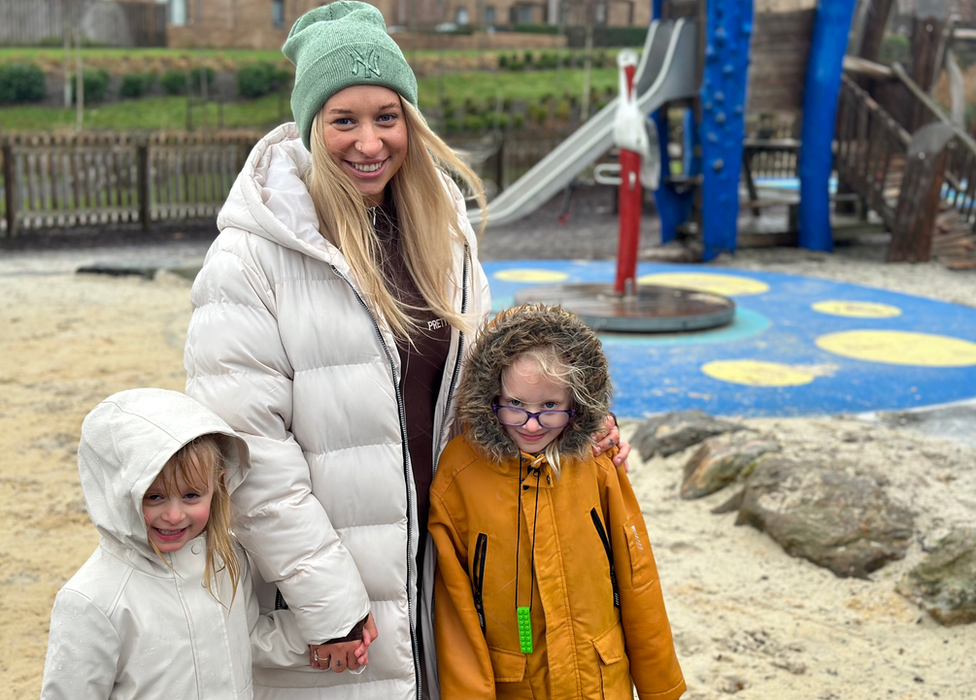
(546, 584)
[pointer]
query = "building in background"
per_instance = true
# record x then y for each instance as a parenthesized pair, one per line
(264, 24)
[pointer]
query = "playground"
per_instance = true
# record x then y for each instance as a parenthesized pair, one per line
(831, 350)
(746, 616)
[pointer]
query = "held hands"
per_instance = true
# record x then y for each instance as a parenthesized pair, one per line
(342, 656)
(610, 438)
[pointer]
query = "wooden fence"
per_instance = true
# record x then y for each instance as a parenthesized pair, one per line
(102, 179)
(62, 181)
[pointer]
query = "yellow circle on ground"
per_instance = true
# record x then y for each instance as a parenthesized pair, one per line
(754, 373)
(856, 309)
(726, 285)
(528, 275)
(901, 348)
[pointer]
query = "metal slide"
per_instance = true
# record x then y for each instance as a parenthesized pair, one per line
(668, 70)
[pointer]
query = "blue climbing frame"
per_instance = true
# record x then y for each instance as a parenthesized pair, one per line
(721, 131)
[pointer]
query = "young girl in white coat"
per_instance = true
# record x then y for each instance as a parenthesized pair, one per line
(164, 607)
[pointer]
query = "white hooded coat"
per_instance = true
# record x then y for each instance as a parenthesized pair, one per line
(128, 624)
(283, 346)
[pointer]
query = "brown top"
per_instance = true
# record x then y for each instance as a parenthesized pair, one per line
(422, 366)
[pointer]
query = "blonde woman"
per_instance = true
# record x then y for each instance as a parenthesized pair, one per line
(330, 324)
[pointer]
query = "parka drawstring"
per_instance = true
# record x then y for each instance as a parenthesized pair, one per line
(524, 613)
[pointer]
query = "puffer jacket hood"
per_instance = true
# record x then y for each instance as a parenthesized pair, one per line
(270, 198)
(125, 443)
(511, 333)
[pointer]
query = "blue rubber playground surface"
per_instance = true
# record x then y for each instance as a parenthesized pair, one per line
(798, 345)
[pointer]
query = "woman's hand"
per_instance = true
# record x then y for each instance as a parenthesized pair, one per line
(342, 656)
(610, 438)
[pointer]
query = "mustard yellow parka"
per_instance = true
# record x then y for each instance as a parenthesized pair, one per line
(584, 556)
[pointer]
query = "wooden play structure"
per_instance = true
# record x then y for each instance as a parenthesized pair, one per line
(894, 152)
(874, 128)
(900, 153)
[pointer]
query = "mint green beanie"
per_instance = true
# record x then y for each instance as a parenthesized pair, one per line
(338, 45)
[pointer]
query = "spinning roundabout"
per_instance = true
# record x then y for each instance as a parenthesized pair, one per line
(796, 345)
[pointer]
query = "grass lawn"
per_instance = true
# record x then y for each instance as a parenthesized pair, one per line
(517, 86)
(154, 113)
(149, 113)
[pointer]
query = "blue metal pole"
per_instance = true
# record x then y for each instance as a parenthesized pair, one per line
(723, 95)
(827, 48)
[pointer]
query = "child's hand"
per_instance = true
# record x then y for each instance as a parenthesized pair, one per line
(369, 634)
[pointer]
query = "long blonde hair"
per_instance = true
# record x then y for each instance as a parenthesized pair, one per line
(200, 463)
(428, 222)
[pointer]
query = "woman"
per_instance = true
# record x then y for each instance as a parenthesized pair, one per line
(329, 326)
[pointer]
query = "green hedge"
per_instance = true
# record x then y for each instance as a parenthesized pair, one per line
(257, 79)
(135, 85)
(607, 36)
(95, 82)
(176, 82)
(173, 82)
(22, 82)
(536, 28)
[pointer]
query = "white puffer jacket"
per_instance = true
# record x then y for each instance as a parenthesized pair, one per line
(128, 624)
(283, 346)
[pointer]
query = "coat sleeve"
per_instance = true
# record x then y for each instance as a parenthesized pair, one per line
(237, 366)
(83, 650)
(275, 639)
(650, 647)
(463, 663)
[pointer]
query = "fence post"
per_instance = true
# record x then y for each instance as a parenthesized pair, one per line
(142, 182)
(9, 189)
(921, 192)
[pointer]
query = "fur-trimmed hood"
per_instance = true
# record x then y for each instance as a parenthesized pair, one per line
(501, 341)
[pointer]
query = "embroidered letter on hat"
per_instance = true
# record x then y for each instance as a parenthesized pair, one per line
(370, 63)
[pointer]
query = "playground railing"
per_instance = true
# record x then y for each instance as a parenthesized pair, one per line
(907, 164)
(91, 179)
(959, 188)
(869, 149)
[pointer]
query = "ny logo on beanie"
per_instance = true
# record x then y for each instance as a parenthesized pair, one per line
(370, 63)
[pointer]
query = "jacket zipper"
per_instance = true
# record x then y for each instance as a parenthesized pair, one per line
(478, 577)
(606, 546)
(406, 477)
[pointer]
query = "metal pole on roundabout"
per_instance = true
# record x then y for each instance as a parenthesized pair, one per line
(627, 123)
(626, 307)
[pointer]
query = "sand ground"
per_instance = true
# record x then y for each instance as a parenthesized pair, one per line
(747, 618)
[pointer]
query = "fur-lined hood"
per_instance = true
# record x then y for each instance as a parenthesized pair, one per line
(501, 341)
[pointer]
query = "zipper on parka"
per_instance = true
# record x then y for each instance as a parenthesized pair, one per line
(606, 546)
(414, 644)
(478, 577)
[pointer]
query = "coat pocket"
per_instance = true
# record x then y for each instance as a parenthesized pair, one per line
(605, 539)
(639, 546)
(509, 666)
(614, 666)
(478, 577)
